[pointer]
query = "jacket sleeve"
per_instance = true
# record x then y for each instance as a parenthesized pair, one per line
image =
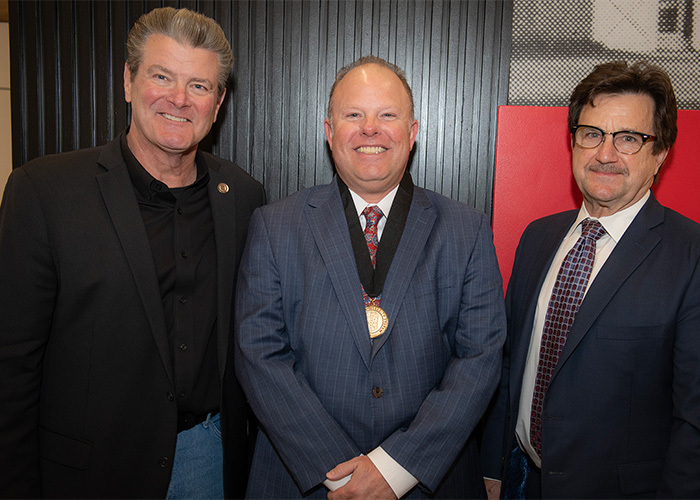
(680, 477)
(265, 366)
(428, 447)
(495, 442)
(28, 287)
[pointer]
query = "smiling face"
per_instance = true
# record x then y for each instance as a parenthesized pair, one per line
(611, 181)
(174, 99)
(371, 131)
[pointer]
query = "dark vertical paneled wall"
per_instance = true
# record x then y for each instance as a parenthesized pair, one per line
(67, 86)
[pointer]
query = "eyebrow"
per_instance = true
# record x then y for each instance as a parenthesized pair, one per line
(161, 69)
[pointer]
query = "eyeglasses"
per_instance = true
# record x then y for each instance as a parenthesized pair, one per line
(626, 142)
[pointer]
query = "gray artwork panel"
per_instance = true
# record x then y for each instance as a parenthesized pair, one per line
(557, 42)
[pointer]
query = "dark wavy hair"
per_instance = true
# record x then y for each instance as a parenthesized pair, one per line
(618, 77)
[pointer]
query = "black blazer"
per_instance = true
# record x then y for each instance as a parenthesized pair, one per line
(86, 405)
(622, 412)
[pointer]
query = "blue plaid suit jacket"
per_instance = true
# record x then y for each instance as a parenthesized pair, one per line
(304, 358)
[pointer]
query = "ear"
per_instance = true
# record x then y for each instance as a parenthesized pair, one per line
(329, 132)
(127, 83)
(414, 132)
(218, 105)
(660, 159)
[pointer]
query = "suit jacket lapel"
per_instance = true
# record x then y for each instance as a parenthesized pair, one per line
(329, 227)
(520, 321)
(632, 249)
(117, 192)
(223, 210)
(535, 272)
(419, 224)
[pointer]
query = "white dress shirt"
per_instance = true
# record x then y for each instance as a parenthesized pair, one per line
(384, 205)
(400, 480)
(615, 226)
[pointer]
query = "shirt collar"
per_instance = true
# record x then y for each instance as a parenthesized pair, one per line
(616, 224)
(145, 183)
(384, 204)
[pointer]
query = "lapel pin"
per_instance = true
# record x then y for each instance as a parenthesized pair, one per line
(222, 187)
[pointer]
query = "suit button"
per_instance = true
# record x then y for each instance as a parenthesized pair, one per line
(377, 392)
(171, 397)
(163, 462)
(182, 394)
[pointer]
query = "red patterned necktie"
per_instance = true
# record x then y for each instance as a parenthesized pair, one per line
(372, 216)
(567, 296)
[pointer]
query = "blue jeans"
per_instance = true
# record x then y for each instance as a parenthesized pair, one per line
(198, 468)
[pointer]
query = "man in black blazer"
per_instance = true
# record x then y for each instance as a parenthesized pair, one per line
(610, 408)
(117, 272)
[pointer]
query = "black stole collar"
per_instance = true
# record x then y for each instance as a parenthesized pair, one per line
(373, 279)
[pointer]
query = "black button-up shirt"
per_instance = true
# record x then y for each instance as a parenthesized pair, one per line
(180, 230)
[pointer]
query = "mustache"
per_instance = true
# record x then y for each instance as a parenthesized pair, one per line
(608, 168)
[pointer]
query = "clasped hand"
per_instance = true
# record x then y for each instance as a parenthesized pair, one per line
(366, 481)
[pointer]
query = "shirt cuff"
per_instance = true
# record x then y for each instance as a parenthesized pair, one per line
(400, 480)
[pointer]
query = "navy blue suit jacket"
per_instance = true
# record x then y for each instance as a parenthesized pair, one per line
(304, 356)
(622, 412)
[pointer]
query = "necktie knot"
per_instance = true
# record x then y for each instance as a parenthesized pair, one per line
(372, 215)
(591, 228)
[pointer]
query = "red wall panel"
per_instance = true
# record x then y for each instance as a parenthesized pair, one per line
(533, 172)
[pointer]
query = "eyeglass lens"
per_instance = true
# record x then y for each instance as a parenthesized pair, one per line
(624, 142)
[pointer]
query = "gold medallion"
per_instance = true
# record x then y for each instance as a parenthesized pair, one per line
(377, 320)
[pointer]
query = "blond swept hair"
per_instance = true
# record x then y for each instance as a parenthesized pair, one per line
(185, 27)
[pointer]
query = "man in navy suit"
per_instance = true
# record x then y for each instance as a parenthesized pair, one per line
(616, 412)
(368, 372)
(117, 273)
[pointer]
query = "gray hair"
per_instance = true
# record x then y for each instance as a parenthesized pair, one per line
(185, 27)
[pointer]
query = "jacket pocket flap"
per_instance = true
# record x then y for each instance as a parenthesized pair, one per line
(64, 450)
(641, 477)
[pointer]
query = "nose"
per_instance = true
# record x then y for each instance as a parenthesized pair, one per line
(178, 95)
(370, 126)
(606, 150)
